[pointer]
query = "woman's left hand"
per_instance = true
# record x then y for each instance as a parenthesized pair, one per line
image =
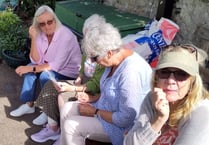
(82, 97)
(86, 109)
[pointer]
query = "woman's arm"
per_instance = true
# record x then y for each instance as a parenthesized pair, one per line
(142, 132)
(34, 54)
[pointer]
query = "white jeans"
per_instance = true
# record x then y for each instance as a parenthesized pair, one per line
(75, 128)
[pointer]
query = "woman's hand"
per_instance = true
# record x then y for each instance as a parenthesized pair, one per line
(83, 97)
(161, 104)
(64, 87)
(33, 32)
(78, 81)
(162, 107)
(86, 109)
(21, 70)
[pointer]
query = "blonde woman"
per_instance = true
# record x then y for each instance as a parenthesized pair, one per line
(176, 111)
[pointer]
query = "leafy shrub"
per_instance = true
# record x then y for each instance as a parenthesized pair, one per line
(12, 33)
(8, 19)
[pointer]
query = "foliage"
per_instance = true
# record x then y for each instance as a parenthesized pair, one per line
(28, 7)
(8, 19)
(12, 33)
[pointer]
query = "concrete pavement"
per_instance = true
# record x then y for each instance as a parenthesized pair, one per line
(14, 131)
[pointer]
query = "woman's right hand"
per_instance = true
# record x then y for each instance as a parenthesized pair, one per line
(162, 107)
(64, 87)
(33, 32)
(161, 104)
(78, 81)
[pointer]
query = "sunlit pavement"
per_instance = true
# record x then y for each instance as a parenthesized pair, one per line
(14, 131)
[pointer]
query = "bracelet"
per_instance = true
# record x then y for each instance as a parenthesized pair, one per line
(34, 69)
(95, 113)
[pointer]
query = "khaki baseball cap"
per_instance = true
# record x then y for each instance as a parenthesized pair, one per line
(185, 61)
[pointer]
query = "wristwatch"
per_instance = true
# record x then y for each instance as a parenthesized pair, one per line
(34, 69)
(95, 113)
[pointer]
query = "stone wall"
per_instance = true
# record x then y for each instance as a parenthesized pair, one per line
(192, 16)
(193, 19)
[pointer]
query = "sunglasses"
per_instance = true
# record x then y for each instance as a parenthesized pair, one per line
(94, 59)
(43, 24)
(190, 47)
(178, 74)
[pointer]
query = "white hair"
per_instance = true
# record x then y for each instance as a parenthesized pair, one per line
(93, 21)
(99, 40)
(43, 9)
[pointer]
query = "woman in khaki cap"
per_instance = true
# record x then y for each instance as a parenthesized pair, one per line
(176, 111)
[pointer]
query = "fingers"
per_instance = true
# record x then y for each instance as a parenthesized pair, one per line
(158, 92)
(160, 102)
(163, 103)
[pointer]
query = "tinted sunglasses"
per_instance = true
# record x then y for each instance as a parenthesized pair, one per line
(94, 59)
(49, 22)
(178, 74)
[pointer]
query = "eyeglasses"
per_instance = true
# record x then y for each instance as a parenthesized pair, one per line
(49, 22)
(94, 59)
(178, 74)
(190, 47)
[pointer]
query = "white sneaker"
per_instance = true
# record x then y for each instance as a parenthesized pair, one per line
(41, 119)
(23, 109)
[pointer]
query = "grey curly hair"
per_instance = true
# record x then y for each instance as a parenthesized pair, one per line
(100, 39)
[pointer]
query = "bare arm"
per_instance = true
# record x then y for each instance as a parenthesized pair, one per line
(33, 32)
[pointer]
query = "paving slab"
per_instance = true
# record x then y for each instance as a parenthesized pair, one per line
(14, 131)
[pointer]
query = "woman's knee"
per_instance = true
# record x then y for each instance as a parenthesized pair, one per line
(43, 78)
(68, 109)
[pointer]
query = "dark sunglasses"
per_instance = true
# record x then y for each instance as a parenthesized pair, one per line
(94, 59)
(178, 74)
(49, 22)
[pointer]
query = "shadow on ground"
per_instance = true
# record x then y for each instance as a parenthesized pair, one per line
(14, 131)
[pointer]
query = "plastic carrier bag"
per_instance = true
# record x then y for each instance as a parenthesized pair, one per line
(148, 43)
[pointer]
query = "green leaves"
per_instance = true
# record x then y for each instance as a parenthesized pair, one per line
(12, 33)
(8, 19)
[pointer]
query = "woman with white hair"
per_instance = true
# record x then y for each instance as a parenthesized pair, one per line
(123, 85)
(53, 48)
(84, 88)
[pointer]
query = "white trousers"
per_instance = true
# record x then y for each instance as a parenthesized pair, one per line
(75, 128)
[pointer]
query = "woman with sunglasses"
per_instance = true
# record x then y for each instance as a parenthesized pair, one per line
(84, 89)
(123, 86)
(176, 111)
(53, 48)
